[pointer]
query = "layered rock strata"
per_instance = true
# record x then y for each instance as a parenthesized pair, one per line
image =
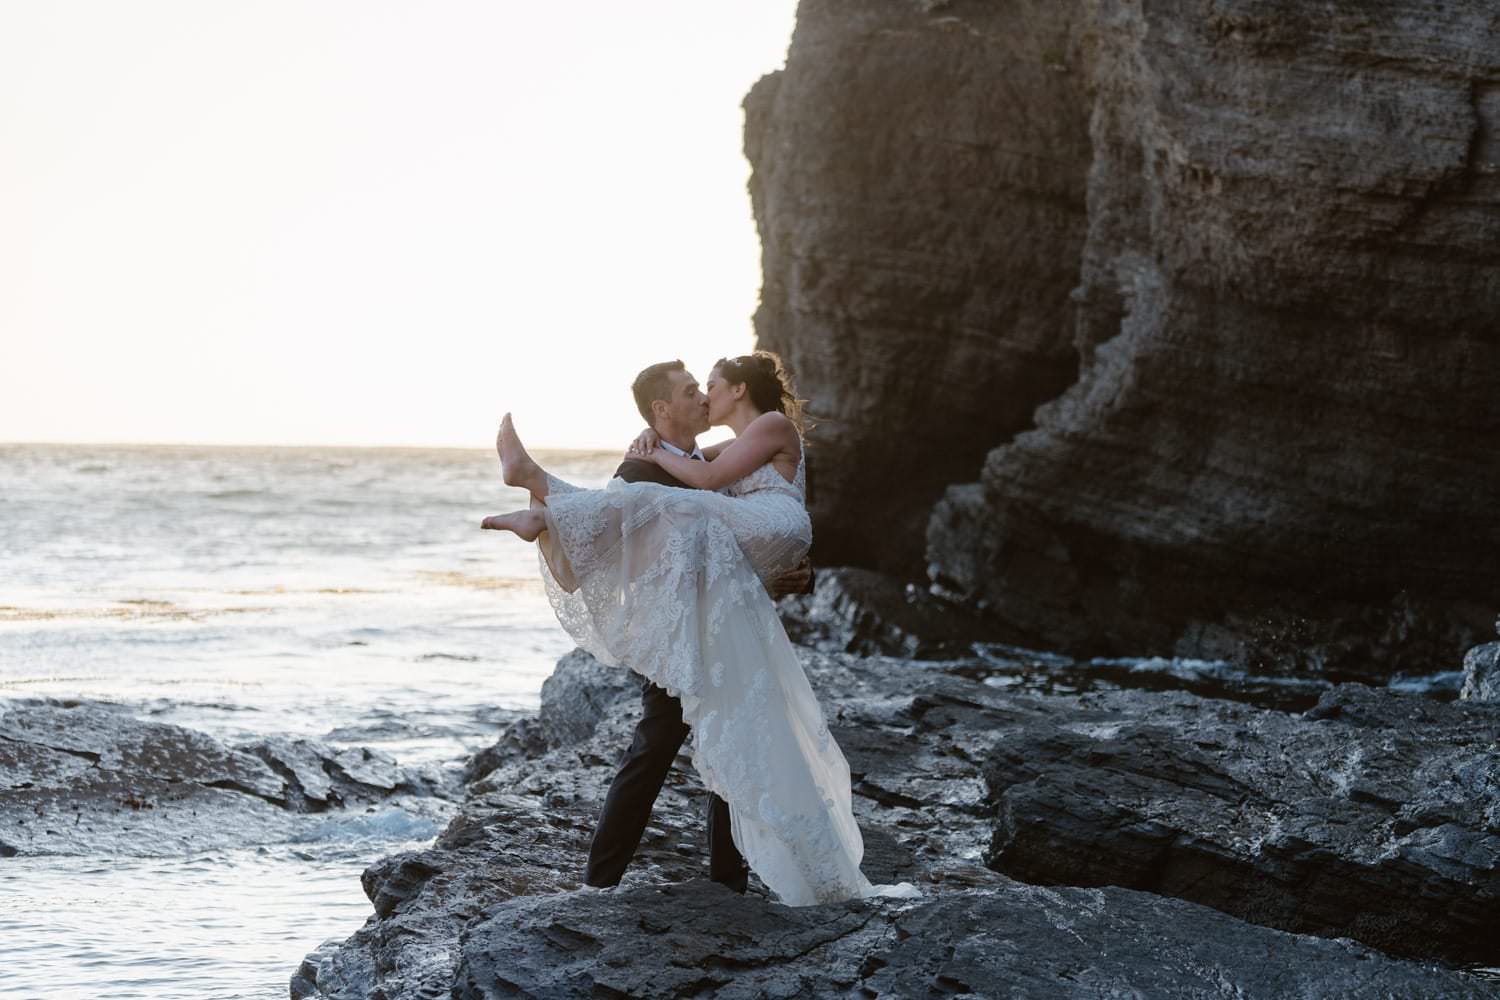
(1243, 252)
(1375, 816)
(902, 161)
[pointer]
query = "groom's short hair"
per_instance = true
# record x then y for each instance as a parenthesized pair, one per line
(652, 384)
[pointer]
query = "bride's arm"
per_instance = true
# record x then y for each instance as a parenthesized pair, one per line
(713, 451)
(767, 434)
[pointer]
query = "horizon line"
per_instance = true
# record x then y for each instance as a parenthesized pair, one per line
(277, 444)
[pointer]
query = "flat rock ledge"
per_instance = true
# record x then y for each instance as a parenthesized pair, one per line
(1006, 939)
(494, 908)
(90, 778)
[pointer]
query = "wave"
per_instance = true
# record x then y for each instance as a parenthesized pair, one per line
(1445, 685)
(456, 578)
(240, 494)
(134, 609)
(391, 823)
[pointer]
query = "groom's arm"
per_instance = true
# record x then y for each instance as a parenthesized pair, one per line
(798, 580)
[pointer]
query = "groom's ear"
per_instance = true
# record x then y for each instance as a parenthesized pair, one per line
(658, 410)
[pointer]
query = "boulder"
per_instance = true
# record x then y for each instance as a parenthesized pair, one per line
(578, 694)
(1482, 673)
(1374, 816)
(89, 778)
(855, 610)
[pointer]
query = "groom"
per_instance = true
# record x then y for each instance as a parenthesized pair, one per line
(672, 404)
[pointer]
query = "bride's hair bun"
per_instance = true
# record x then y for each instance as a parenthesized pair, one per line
(767, 381)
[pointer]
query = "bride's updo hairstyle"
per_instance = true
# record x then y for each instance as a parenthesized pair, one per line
(767, 381)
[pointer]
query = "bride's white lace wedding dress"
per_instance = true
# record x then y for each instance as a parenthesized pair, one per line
(670, 582)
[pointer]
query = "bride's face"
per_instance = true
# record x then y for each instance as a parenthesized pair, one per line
(721, 397)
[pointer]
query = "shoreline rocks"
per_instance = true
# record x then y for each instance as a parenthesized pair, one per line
(495, 908)
(89, 778)
(1008, 939)
(1482, 673)
(860, 611)
(1373, 816)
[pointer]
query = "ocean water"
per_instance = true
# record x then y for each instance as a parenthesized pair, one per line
(346, 595)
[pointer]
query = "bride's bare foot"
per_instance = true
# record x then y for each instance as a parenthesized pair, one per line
(527, 524)
(516, 466)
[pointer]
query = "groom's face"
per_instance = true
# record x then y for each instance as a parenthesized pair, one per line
(687, 407)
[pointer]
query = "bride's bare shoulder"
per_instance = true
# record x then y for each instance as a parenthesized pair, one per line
(777, 424)
(778, 428)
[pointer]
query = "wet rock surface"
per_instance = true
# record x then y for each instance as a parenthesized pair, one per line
(1177, 321)
(90, 778)
(855, 610)
(860, 611)
(1004, 940)
(1374, 816)
(495, 907)
(1482, 673)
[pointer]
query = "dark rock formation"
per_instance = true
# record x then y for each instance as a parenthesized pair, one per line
(88, 778)
(868, 613)
(1375, 817)
(855, 610)
(1006, 940)
(1248, 252)
(523, 830)
(576, 697)
(1482, 673)
(919, 188)
(495, 908)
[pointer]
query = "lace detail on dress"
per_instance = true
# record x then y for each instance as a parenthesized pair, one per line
(670, 582)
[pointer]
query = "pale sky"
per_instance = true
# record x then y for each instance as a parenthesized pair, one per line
(365, 222)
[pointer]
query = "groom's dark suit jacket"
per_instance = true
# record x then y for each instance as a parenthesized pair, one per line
(658, 737)
(635, 470)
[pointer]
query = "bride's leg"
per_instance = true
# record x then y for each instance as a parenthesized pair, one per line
(517, 467)
(527, 524)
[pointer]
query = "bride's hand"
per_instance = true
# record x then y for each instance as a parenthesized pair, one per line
(644, 444)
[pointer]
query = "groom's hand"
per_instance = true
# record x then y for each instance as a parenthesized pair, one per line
(794, 581)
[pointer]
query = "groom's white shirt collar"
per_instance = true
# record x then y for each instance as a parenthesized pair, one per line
(695, 453)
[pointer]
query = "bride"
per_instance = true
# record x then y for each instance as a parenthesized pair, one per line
(671, 583)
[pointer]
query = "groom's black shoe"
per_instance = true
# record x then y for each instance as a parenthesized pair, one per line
(726, 865)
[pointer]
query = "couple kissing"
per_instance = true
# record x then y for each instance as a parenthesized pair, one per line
(671, 571)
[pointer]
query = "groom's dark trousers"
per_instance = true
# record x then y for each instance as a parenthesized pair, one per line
(658, 737)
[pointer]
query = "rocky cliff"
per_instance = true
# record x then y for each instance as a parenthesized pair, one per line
(1205, 296)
